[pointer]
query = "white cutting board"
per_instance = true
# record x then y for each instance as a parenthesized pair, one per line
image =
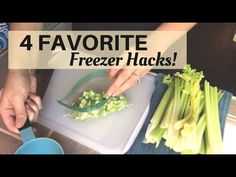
(107, 135)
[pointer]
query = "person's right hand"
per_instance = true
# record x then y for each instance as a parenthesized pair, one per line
(124, 79)
(18, 99)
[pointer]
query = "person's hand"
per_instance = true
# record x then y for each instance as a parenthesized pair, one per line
(18, 99)
(125, 78)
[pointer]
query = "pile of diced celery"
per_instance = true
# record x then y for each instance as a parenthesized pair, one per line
(91, 97)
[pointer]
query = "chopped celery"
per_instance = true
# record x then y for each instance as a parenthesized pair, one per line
(90, 97)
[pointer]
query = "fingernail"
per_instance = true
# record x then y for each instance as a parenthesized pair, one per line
(18, 125)
(15, 130)
(31, 117)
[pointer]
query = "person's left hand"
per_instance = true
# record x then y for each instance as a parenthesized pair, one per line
(125, 78)
(19, 100)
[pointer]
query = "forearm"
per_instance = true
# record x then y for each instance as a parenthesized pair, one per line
(176, 26)
(162, 41)
(26, 26)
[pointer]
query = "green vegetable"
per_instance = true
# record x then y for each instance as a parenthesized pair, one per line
(157, 117)
(187, 117)
(90, 98)
(213, 131)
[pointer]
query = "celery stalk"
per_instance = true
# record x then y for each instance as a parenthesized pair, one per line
(166, 120)
(183, 102)
(187, 151)
(202, 149)
(188, 112)
(201, 125)
(160, 111)
(172, 132)
(157, 134)
(213, 131)
(178, 146)
(189, 137)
